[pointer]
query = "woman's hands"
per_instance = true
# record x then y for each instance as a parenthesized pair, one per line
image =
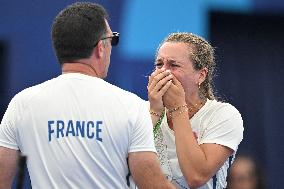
(164, 90)
(159, 82)
(175, 96)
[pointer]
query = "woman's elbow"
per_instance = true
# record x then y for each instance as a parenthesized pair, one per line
(196, 181)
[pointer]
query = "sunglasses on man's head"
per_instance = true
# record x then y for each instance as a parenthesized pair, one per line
(114, 39)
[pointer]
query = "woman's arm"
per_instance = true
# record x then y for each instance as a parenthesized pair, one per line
(198, 163)
(159, 82)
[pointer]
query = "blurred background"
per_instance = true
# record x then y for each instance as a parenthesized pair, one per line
(248, 36)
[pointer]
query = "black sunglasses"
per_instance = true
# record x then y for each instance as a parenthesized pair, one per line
(114, 39)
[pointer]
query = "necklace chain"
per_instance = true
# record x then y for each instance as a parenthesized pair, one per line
(195, 108)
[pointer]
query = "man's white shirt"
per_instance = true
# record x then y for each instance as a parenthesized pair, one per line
(77, 131)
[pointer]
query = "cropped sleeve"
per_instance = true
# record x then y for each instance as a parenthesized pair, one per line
(225, 128)
(8, 127)
(142, 138)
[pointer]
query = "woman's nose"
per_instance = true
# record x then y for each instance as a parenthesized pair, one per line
(166, 66)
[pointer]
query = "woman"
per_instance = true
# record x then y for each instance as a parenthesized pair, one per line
(246, 173)
(196, 136)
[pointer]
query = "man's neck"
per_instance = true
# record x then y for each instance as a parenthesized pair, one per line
(79, 67)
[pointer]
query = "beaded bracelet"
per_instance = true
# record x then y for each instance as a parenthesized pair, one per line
(178, 113)
(177, 108)
(155, 113)
(158, 124)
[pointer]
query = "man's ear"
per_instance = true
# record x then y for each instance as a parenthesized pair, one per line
(100, 49)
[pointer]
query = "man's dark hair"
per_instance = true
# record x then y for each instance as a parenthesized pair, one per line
(76, 30)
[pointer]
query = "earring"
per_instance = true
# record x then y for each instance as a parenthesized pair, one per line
(199, 85)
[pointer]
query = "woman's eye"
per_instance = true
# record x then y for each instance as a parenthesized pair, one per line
(158, 65)
(175, 65)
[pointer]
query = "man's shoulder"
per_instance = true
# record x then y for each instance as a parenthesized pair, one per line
(123, 93)
(29, 92)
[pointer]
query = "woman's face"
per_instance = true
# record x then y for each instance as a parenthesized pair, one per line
(174, 56)
(242, 175)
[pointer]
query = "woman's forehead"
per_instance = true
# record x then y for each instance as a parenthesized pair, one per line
(176, 51)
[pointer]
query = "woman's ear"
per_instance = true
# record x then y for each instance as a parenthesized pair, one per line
(202, 75)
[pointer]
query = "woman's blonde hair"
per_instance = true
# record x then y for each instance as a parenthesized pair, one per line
(202, 55)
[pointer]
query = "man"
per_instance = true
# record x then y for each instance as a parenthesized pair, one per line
(77, 130)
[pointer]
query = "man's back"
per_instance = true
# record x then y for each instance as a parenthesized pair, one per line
(82, 129)
(77, 130)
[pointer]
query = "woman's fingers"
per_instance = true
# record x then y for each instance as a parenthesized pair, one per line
(174, 95)
(157, 78)
(176, 82)
(165, 87)
(156, 72)
(160, 88)
(161, 83)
